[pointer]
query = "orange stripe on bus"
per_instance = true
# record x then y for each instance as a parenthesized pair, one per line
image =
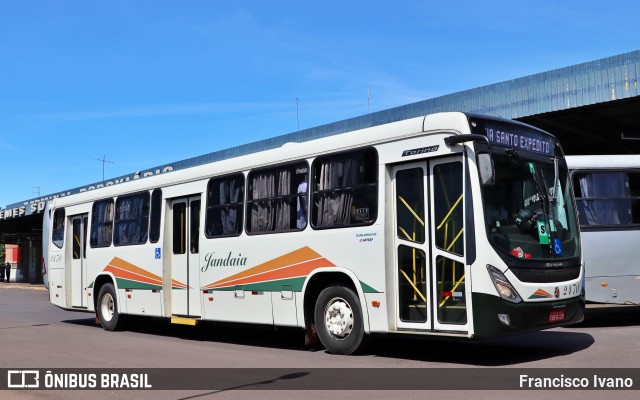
(295, 257)
(299, 256)
(177, 284)
(125, 270)
(292, 271)
(120, 273)
(120, 263)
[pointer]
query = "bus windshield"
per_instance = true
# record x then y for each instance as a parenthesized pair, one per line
(528, 211)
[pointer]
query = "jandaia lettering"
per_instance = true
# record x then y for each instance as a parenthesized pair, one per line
(231, 260)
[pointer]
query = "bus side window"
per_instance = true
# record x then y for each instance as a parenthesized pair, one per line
(102, 223)
(276, 199)
(345, 189)
(607, 198)
(634, 192)
(225, 200)
(57, 235)
(156, 215)
(131, 223)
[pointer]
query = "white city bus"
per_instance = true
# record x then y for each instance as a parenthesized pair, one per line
(451, 224)
(607, 190)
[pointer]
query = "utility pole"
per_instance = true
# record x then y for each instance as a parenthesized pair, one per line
(104, 160)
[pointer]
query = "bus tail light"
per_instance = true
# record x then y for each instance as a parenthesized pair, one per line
(44, 267)
(504, 288)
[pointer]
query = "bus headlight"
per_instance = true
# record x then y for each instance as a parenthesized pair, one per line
(504, 288)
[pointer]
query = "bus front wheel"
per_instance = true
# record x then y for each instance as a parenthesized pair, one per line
(107, 308)
(339, 321)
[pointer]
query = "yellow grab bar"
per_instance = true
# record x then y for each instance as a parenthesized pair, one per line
(414, 286)
(450, 212)
(455, 239)
(452, 289)
(411, 210)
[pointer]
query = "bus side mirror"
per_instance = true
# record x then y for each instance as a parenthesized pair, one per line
(486, 170)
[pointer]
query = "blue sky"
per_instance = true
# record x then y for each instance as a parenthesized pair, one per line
(149, 82)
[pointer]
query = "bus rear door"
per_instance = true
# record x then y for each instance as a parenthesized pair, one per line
(184, 244)
(78, 270)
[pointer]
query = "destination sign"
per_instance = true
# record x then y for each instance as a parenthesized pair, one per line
(527, 141)
(515, 136)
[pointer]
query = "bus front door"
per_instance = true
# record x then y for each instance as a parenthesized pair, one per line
(78, 270)
(448, 267)
(184, 242)
(429, 265)
(412, 274)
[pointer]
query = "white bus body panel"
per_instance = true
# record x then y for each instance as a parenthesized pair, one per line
(340, 249)
(612, 266)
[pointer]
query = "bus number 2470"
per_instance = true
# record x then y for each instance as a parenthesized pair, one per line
(571, 290)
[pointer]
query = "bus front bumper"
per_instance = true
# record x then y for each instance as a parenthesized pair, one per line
(494, 316)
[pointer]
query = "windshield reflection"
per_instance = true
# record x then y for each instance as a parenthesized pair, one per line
(528, 212)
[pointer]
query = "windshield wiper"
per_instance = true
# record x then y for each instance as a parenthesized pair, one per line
(534, 178)
(556, 178)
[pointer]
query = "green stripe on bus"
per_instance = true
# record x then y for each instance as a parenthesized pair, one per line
(367, 289)
(294, 284)
(129, 284)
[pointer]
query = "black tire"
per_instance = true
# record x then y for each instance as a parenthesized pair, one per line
(338, 318)
(107, 308)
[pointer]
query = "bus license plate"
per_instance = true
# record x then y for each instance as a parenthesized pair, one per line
(556, 316)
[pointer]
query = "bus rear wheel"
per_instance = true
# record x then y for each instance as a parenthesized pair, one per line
(339, 320)
(107, 308)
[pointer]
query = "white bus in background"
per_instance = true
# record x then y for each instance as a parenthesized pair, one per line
(607, 190)
(450, 224)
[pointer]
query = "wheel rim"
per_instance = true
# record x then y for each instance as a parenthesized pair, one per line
(107, 306)
(338, 318)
